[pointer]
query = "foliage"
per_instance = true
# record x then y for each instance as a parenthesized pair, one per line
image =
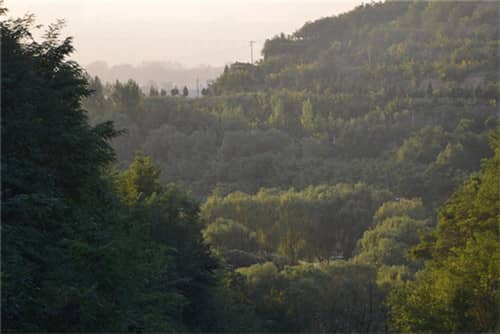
(315, 224)
(226, 234)
(338, 297)
(457, 290)
(76, 255)
(370, 120)
(58, 216)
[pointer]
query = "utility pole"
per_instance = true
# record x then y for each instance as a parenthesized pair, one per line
(251, 51)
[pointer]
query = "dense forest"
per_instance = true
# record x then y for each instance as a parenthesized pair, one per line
(347, 182)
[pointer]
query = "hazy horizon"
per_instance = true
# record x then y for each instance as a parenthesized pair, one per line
(191, 32)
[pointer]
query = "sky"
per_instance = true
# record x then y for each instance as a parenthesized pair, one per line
(189, 32)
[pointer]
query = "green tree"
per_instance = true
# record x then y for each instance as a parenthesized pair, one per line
(226, 234)
(458, 289)
(153, 91)
(413, 208)
(127, 97)
(96, 102)
(389, 241)
(173, 261)
(424, 146)
(307, 117)
(77, 257)
(140, 180)
(278, 117)
(58, 211)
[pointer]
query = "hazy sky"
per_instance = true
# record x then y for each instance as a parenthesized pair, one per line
(190, 32)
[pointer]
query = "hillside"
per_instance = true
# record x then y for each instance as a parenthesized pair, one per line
(401, 48)
(388, 94)
(347, 183)
(326, 169)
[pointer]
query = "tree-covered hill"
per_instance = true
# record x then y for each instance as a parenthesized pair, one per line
(349, 183)
(399, 95)
(322, 165)
(400, 47)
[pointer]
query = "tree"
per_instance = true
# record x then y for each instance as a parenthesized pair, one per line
(387, 244)
(226, 234)
(58, 211)
(313, 224)
(127, 97)
(171, 258)
(412, 208)
(78, 256)
(424, 146)
(278, 117)
(153, 91)
(96, 101)
(174, 91)
(458, 289)
(185, 91)
(307, 118)
(337, 297)
(140, 180)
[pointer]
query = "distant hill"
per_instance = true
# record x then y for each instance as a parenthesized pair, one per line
(155, 73)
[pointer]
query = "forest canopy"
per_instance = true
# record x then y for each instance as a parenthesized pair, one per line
(347, 182)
